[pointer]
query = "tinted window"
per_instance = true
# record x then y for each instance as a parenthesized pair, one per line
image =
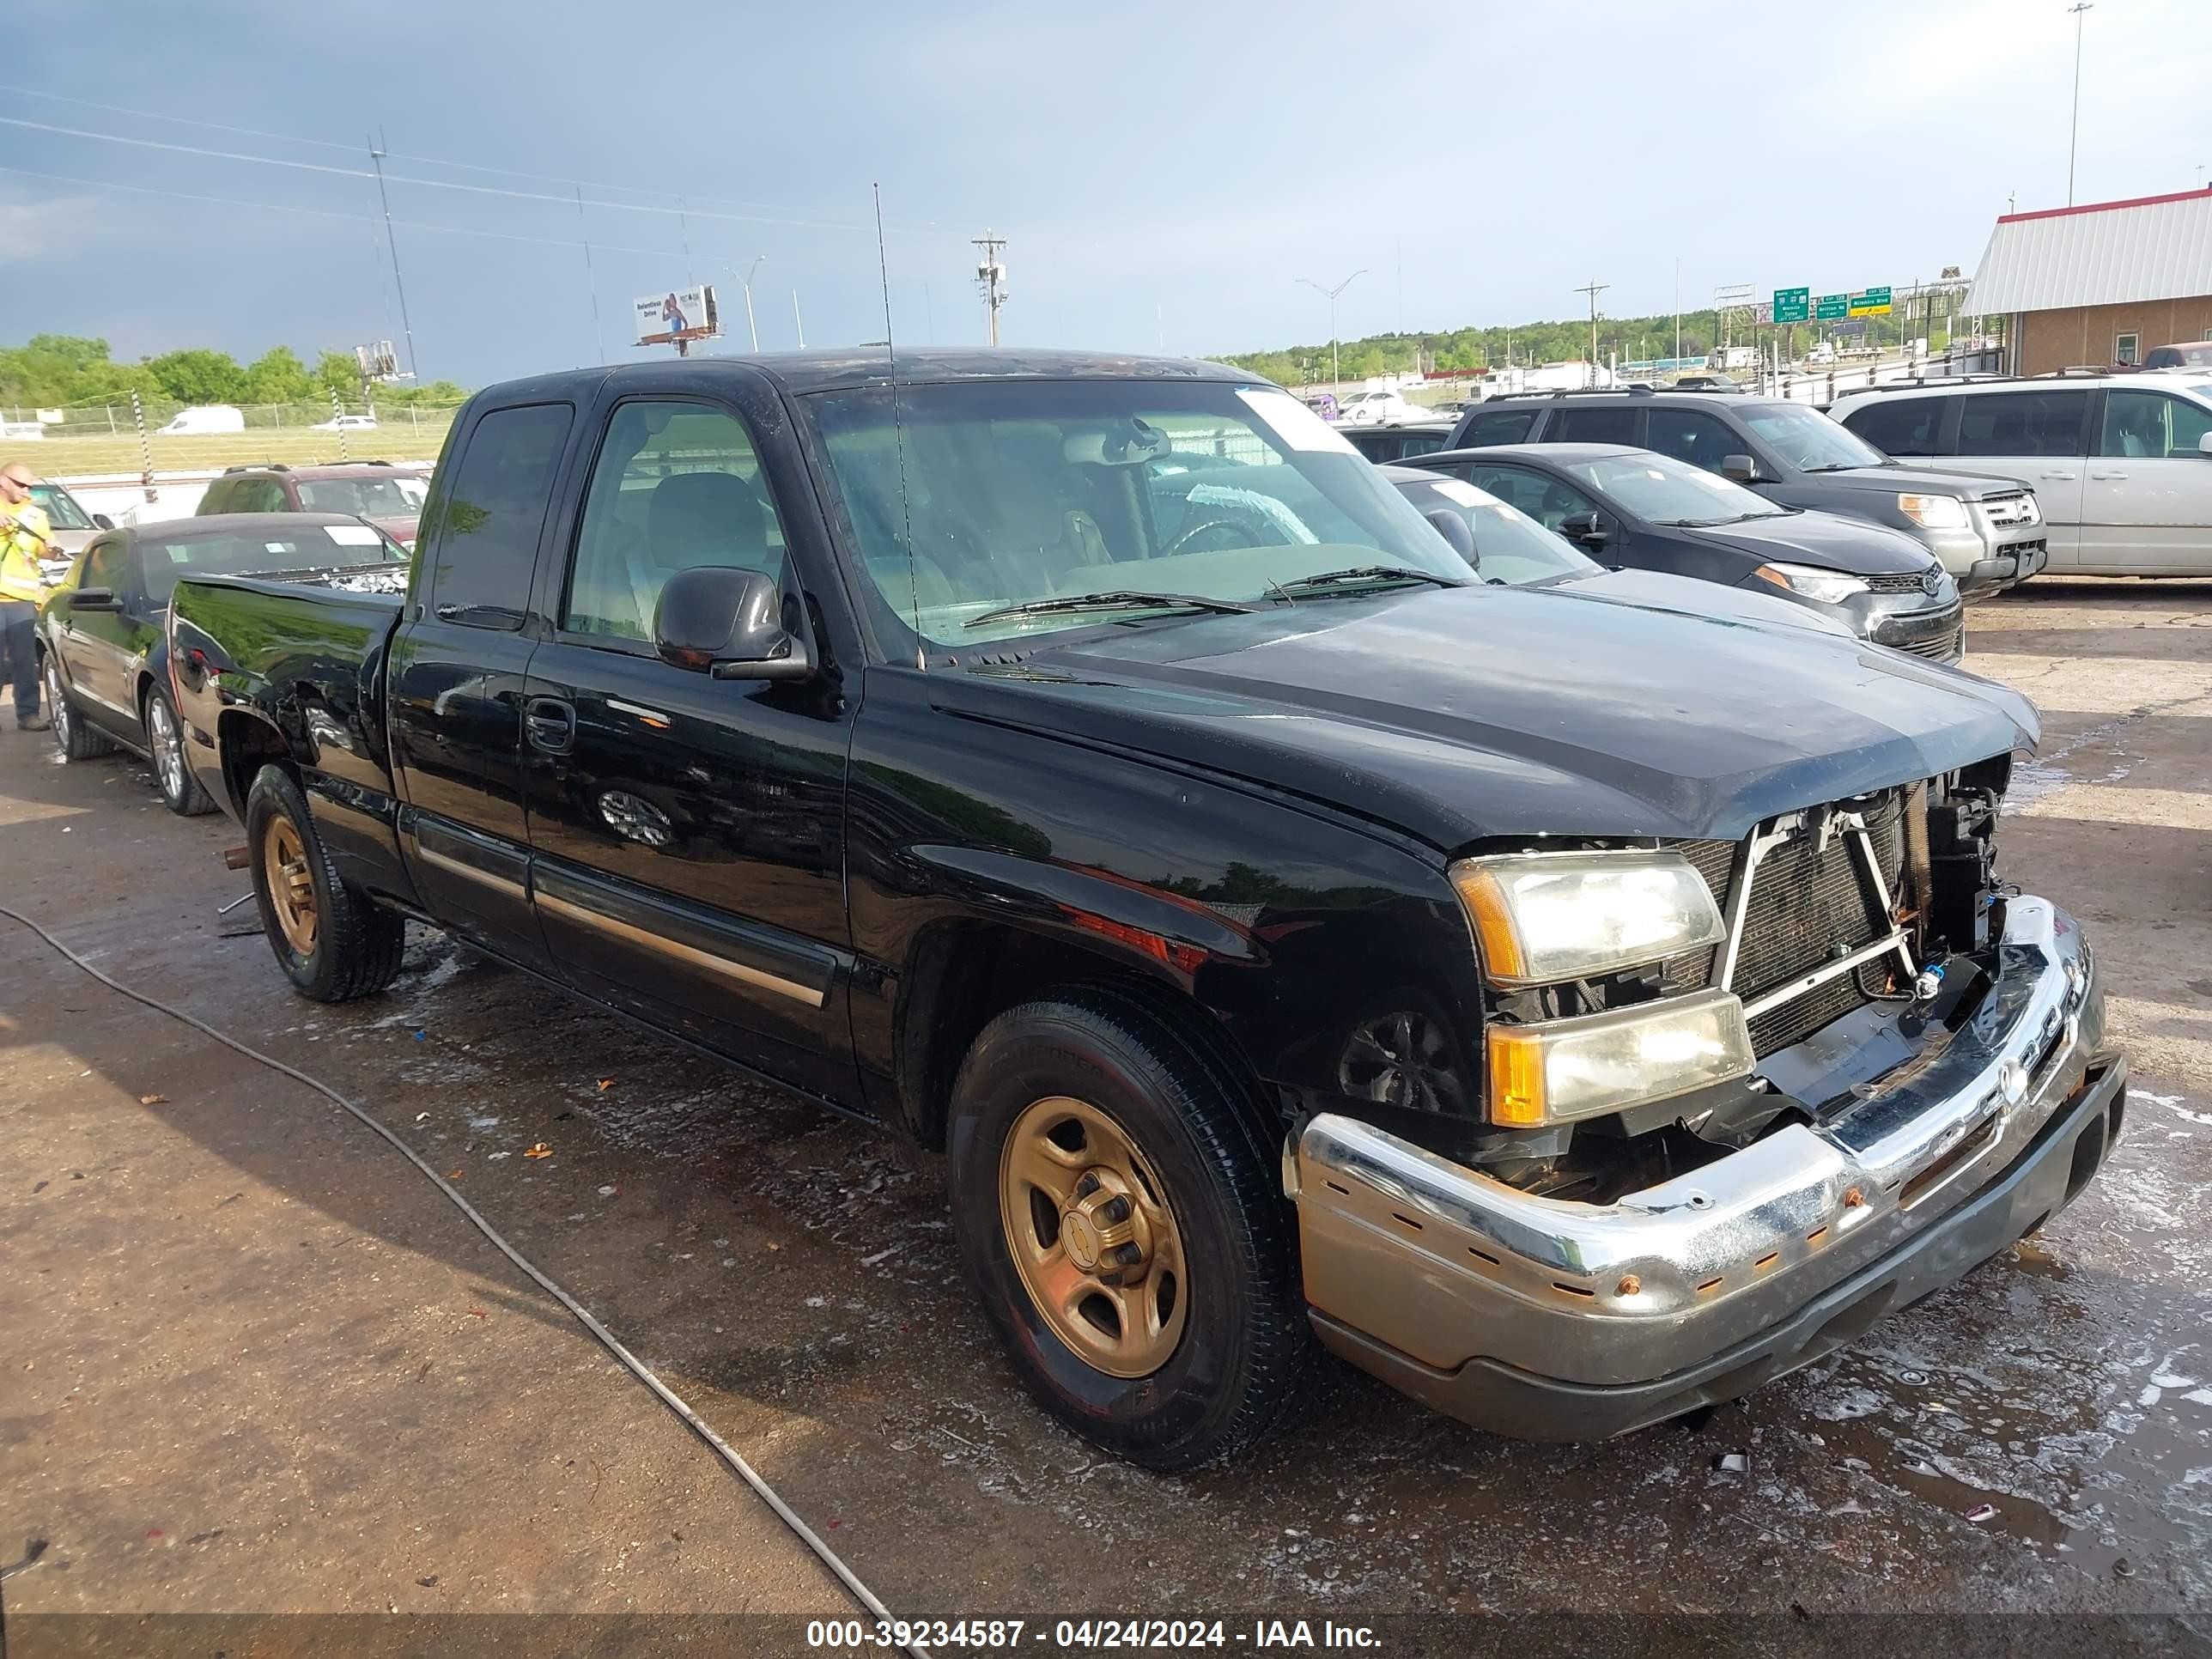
(212, 499)
(1498, 426)
(1509, 546)
(105, 564)
(1900, 426)
(260, 495)
(318, 547)
(1421, 443)
(1692, 435)
(677, 487)
(490, 514)
(2150, 424)
(1593, 426)
(1541, 497)
(374, 498)
(2023, 423)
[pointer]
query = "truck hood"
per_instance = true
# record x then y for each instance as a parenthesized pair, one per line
(1826, 539)
(1890, 480)
(1455, 715)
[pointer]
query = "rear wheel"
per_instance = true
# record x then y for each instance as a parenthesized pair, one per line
(73, 735)
(164, 737)
(1121, 1229)
(333, 942)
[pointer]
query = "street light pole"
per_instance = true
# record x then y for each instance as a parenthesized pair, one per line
(1335, 378)
(2075, 133)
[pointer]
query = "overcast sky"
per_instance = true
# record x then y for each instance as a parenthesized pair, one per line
(1164, 173)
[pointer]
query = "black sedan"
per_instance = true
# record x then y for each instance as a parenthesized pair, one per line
(102, 652)
(1632, 508)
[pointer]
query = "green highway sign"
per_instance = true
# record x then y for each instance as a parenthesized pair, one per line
(1790, 304)
(1870, 302)
(1830, 306)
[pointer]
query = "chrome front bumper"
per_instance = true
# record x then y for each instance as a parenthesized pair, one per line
(1424, 1270)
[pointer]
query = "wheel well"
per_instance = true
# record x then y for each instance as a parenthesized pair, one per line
(246, 744)
(960, 978)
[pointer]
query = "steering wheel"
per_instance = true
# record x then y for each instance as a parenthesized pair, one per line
(1185, 537)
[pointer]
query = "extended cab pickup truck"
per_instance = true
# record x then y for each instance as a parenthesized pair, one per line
(1569, 1007)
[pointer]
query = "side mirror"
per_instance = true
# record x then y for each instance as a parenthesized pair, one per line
(2204, 444)
(1585, 528)
(1739, 468)
(1453, 529)
(94, 599)
(101, 521)
(727, 622)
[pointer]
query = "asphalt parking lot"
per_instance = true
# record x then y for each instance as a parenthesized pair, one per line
(254, 1362)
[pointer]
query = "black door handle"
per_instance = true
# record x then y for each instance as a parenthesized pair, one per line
(551, 724)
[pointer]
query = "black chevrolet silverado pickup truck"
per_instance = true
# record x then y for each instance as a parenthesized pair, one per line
(1571, 1007)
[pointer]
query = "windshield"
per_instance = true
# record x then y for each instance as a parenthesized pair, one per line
(374, 498)
(1509, 546)
(62, 511)
(316, 547)
(1017, 491)
(1809, 440)
(1668, 491)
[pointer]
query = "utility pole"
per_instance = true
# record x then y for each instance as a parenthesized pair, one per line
(2075, 133)
(590, 277)
(798, 321)
(1593, 288)
(1335, 378)
(376, 156)
(991, 277)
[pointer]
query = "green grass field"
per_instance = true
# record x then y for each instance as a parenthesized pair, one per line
(76, 455)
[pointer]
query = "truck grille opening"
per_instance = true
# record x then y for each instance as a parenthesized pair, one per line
(1808, 904)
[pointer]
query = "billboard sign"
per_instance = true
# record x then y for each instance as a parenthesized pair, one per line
(681, 313)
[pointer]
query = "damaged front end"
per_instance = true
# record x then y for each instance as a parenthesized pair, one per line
(1739, 1098)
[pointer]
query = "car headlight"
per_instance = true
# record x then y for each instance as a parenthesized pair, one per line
(1934, 512)
(1541, 917)
(1829, 586)
(1560, 1070)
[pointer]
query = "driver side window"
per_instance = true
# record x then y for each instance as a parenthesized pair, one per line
(678, 486)
(106, 564)
(1538, 495)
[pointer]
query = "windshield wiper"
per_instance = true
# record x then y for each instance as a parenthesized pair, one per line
(1714, 524)
(1373, 573)
(1837, 466)
(1120, 599)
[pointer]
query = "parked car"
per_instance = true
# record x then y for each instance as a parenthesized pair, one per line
(2122, 463)
(208, 418)
(346, 423)
(388, 496)
(1505, 547)
(103, 653)
(1987, 532)
(2182, 353)
(1573, 1012)
(72, 526)
(1379, 408)
(1323, 403)
(1650, 512)
(1392, 443)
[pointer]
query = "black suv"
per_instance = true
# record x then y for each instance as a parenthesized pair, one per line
(1989, 535)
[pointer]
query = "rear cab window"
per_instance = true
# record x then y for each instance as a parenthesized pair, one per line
(490, 514)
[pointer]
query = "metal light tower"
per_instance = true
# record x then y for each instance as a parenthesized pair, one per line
(376, 156)
(2074, 131)
(1335, 380)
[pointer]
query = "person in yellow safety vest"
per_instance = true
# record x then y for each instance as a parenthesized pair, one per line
(24, 535)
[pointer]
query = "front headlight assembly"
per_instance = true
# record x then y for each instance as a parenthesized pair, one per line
(1545, 918)
(1934, 512)
(1829, 586)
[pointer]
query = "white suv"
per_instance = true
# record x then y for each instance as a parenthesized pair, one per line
(2122, 463)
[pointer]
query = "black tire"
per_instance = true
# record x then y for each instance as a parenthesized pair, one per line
(78, 738)
(173, 772)
(1244, 1349)
(357, 942)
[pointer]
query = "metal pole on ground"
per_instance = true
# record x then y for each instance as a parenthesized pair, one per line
(338, 419)
(145, 447)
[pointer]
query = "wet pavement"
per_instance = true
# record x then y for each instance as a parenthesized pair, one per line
(219, 1407)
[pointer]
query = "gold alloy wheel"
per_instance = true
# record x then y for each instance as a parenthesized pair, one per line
(291, 888)
(1091, 1232)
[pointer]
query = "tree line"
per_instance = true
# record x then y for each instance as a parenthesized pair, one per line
(59, 370)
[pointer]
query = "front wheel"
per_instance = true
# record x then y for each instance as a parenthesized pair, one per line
(1121, 1229)
(165, 736)
(334, 942)
(73, 735)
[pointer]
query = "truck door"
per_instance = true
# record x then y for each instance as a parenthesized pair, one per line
(455, 683)
(690, 831)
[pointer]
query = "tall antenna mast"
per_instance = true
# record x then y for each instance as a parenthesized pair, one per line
(376, 155)
(898, 436)
(991, 278)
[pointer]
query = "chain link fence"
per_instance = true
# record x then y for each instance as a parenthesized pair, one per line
(105, 441)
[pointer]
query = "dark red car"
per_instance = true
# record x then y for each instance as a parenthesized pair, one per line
(388, 495)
